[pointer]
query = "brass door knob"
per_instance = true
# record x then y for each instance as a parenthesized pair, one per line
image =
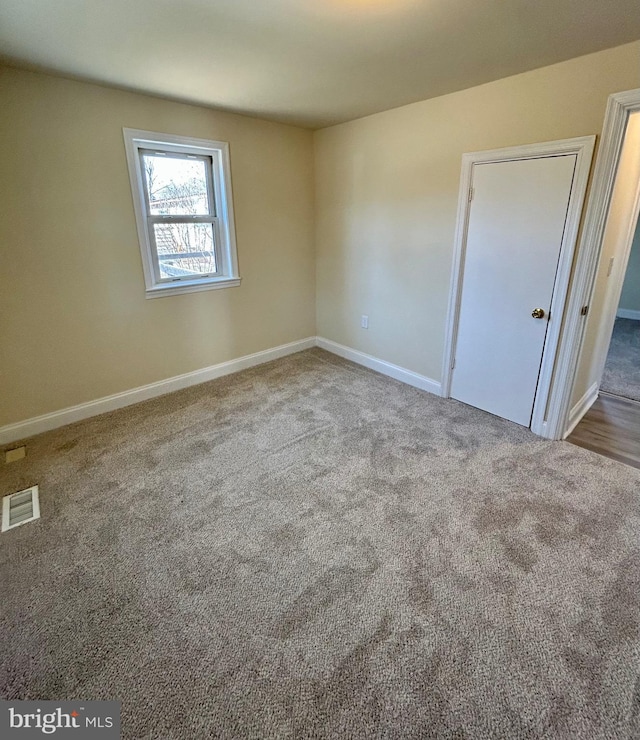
(538, 313)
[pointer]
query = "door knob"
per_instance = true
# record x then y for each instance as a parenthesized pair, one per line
(538, 313)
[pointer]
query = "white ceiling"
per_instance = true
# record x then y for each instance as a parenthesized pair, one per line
(308, 62)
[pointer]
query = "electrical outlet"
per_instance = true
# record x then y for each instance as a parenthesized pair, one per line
(364, 322)
(17, 453)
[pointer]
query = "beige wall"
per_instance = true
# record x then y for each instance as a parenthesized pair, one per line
(75, 323)
(630, 298)
(387, 189)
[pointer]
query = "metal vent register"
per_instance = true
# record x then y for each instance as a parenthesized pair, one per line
(20, 508)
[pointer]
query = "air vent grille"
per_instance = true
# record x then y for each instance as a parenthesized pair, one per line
(20, 508)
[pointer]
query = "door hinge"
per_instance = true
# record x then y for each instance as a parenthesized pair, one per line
(471, 192)
(584, 310)
(453, 364)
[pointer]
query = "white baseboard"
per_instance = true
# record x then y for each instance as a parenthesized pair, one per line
(581, 408)
(380, 366)
(38, 424)
(627, 313)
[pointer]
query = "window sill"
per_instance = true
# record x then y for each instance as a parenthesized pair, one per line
(192, 286)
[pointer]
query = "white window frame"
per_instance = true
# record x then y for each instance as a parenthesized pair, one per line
(221, 218)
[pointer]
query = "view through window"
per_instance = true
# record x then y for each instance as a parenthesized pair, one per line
(181, 211)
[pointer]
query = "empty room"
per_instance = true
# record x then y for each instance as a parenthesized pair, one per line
(318, 346)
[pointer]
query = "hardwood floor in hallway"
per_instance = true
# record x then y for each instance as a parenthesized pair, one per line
(611, 427)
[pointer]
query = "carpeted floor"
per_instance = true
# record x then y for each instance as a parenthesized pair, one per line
(308, 549)
(622, 369)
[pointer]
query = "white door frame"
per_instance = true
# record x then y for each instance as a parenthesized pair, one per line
(619, 107)
(582, 147)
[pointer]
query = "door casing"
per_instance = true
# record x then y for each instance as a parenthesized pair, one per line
(543, 421)
(619, 107)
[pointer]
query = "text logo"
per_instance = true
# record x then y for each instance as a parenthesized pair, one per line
(64, 719)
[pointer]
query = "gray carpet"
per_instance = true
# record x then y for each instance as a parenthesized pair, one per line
(622, 369)
(308, 549)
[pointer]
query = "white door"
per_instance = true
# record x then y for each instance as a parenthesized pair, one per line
(514, 235)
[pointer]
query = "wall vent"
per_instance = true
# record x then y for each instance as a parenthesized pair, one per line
(20, 508)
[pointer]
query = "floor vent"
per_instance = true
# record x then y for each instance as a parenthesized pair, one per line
(20, 508)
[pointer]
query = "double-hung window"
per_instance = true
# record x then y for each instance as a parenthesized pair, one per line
(184, 211)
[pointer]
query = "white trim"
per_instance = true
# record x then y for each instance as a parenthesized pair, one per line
(613, 288)
(38, 424)
(163, 289)
(218, 151)
(619, 107)
(380, 366)
(628, 313)
(581, 408)
(582, 147)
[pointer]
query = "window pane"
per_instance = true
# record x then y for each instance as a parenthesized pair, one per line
(185, 250)
(177, 186)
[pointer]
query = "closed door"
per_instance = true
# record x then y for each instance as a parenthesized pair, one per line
(514, 236)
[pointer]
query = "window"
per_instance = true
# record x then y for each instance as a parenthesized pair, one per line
(182, 199)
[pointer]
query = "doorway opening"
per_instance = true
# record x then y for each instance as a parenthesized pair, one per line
(588, 320)
(606, 412)
(621, 376)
